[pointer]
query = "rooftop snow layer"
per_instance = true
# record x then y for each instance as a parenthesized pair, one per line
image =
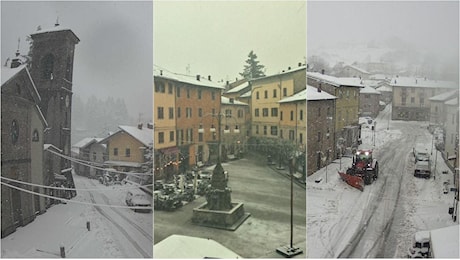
(226, 101)
(313, 94)
(421, 83)
(445, 96)
(335, 81)
(299, 96)
(144, 135)
(204, 82)
(239, 87)
(369, 90)
(8, 73)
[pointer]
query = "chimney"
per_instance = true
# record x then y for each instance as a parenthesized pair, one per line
(415, 81)
(139, 126)
(149, 125)
(300, 64)
(289, 68)
(228, 82)
(319, 88)
(232, 100)
(209, 77)
(322, 71)
(198, 77)
(161, 72)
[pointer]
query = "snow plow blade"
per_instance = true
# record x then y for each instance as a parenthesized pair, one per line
(354, 181)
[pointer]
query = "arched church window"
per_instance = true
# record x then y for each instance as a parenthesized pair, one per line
(47, 65)
(35, 136)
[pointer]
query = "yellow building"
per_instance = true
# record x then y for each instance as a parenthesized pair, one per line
(126, 148)
(266, 93)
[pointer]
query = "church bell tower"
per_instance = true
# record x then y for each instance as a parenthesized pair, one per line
(52, 56)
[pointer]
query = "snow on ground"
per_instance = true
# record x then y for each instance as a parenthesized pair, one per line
(65, 225)
(335, 209)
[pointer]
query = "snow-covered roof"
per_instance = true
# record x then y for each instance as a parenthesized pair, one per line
(369, 90)
(238, 88)
(303, 67)
(358, 69)
(445, 96)
(384, 88)
(245, 95)
(144, 135)
(226, 101)
(56, 28)
(299, 96)
(86, 141)
(8, 73)
(336, 81)
(445, 242)
(422, 83)
(452, 102)
(191, 247)
(193, 80)
(313, 94)
(124, 163)
(51, 147)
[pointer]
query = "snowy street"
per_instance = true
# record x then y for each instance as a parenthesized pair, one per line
(380, 221)
(115, 232)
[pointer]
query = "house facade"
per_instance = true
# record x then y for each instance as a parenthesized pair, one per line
(321, 147)
(411, 97)
(236, 125)
(266, 93)
(438, 107)
(452, 132)
(369, 102)
(293, 126)
(347, 134)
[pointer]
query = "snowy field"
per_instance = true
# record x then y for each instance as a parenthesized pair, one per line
(114, 232)
(337, 213)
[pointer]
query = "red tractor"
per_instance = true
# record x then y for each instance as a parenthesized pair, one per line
(364, 166)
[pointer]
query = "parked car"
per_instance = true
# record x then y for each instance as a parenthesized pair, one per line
(140, 200)
(421, 153)
(422, 169)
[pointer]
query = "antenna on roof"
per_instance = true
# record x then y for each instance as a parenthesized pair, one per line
(57, 21)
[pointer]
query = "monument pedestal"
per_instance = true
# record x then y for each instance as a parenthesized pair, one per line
(223, 219)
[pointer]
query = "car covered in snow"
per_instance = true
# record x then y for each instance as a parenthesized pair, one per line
(421, 153)
(138, 199)
(422, 169)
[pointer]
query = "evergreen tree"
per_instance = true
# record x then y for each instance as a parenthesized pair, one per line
(253, 69)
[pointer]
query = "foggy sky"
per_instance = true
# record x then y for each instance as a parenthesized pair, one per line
(114, 56)
(429, 26)
(215, 38)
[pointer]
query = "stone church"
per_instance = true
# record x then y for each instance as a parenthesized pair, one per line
(36, 106)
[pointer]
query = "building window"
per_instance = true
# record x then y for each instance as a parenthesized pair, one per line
(265, 130)
(47, 65)
(35, 136)
(171, 136)
(228, 112)
(301, 138)
(291, 135)
(257, 95)
(199, 94)
(188, 93)
(284, 92)
(200, 112)
(422, 101)
(128, 152)
(274, 130)
(274, 112)
(200, 137)
(160, 87)
(115, 151)
(274, 93)
(178, 112)
(170, 88)
(265, 94)
(264, 112)
(171, 113)
(292, 115)
(178, 91)
(161, 137)
(213, 95)
(188, 112)
(301, 114)
(256, 112)
(281, 115)
(257, 129)
(240, 113)
(160, 113)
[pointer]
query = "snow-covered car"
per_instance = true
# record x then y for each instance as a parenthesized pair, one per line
(140, 200)
(421, 153)
(422, 169)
